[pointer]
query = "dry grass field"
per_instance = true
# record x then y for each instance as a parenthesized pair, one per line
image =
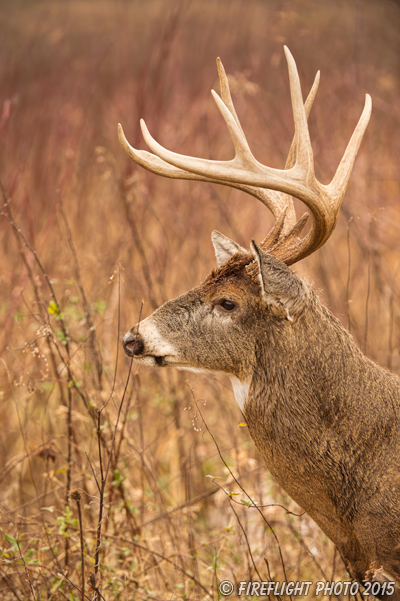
(105, 488)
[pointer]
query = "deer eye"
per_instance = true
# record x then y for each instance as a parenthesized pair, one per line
(227, 305)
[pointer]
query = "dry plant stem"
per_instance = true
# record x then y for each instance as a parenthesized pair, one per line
(104, 473)
(120, 488)
(236, 480)
(101, 501)
(247, 542)
(69, 466)
(28, 455)
(93, 472)
(138, 242)
(118, 448)
(77, 497)
(191, 534)
(254, 505)
(123, 423)
(332, 578)
(28, 579)
(118, 343)
(88, 314)
(368, 288)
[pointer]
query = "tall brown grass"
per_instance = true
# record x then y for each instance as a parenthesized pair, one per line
(104, 489)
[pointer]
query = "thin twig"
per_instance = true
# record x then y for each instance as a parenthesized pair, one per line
(28, 579)
(118, 341)
(77, 498)
(246, 539)
(104, 473)
(86, 307)
(368, 287)
(252, 504)
(69, 466)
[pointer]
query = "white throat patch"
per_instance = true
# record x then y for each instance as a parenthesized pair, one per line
(240, 390)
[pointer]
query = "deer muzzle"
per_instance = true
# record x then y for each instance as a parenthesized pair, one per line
(149, 346)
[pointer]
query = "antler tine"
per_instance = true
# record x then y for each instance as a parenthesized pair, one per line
(338, 185)
(152, 162)
(304, 154)
(307, 108)
(226, 93)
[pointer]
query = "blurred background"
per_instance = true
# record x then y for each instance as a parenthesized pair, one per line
(104, 489)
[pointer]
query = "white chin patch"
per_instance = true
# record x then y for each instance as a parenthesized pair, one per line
(150, 361)
(196, 370)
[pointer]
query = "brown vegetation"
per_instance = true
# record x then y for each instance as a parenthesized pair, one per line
(111, 470)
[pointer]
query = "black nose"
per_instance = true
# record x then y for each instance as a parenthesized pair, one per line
(133, 344)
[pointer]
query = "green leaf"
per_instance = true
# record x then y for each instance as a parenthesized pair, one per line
(10, 539)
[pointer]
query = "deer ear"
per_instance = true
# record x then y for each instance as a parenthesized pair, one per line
(224, 247)
(280, 287)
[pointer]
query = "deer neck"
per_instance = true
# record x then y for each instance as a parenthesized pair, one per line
(314, 408)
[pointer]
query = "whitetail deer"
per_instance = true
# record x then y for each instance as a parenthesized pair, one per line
(323, 416)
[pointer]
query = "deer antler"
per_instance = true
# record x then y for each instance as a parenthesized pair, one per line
(272, 186)
(280, 204)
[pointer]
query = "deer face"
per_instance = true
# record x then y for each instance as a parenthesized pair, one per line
(208, 328)
(216, 326)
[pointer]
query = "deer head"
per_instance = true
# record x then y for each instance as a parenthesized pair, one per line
(210, 328)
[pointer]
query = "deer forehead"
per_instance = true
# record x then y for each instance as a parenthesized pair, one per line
(227, 289)
(231, 279)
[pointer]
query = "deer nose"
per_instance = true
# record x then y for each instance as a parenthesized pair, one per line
(133, 344)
